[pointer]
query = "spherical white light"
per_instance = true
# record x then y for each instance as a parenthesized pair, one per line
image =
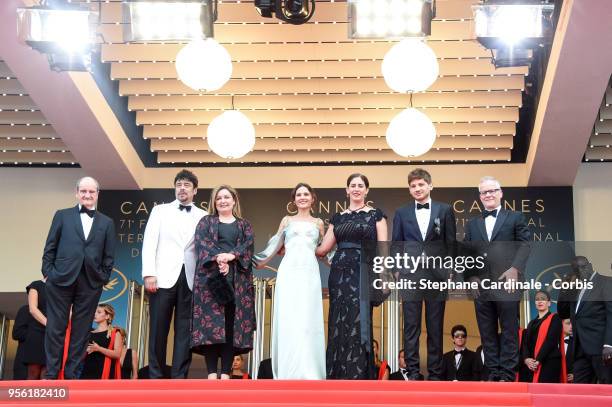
(231, 135)
(410, 66)
(204, 65)
(411, 133)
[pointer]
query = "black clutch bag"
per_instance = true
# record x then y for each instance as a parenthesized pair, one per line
(219, 287)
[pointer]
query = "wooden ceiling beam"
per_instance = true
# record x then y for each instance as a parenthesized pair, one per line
(23, 131)
(29, 144)
(333, 144)
(36, 158)
(263, 131)
(322, 86)
(508, 114)
(294, 52)
(345, 157)
(428, 100)
(310, 69)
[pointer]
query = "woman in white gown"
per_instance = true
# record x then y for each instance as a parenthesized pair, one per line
(298, 339)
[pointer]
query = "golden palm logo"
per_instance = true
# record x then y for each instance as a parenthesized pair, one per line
(111, 284)
(116, 286)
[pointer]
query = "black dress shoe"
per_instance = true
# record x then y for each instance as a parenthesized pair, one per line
(493, 378)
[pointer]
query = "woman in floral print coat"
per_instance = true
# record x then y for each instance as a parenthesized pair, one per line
(224, 245)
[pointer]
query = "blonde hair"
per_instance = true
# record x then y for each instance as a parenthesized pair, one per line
(212, 208)
(123, 335)
(110, 311)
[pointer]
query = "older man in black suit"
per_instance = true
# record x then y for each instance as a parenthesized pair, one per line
(77, 261)
(590, 310)
(501, 236)
(425, 226)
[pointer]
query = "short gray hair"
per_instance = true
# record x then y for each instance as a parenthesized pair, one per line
(489, 178)
(78, 183)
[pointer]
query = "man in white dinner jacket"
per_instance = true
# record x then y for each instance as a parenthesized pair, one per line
(168, 267)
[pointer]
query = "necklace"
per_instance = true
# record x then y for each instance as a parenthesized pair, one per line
(355, 210)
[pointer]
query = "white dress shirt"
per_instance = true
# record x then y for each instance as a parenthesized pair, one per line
(168, 243)
(422, 216)
(458, 357)
(86, 221)
(490, 222)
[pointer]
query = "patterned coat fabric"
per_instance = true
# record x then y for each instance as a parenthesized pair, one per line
(208, 322)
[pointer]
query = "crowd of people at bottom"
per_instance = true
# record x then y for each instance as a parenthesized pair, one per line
(107, 355)
(545, 349)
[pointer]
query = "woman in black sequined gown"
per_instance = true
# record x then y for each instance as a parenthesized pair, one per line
(349, 340)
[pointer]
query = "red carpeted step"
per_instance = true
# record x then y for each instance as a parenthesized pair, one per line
(552, 400)
(575, 389)
(340, 393)
(305, 396)
(63, 404)
(336, 385)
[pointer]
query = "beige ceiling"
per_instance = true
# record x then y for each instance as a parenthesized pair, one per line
(316, 95)
(600, 143)
(25, 135)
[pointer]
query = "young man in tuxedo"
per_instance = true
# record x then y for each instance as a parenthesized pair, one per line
(460, 364)
(402, 373)
(78, 259)
(590, 311)
(425, 226)
(168, 269)
(494, 235)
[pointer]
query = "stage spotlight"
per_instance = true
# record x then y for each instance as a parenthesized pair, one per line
(508, 57)
(150, 20)
(514, 23)
(64, 32)
(390, 18)
(291, 11)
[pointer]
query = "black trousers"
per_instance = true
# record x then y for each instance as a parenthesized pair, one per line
(434, 323)
(590, 369)
(161, 306)
(501, 352)
(223, 351)
(84, 300)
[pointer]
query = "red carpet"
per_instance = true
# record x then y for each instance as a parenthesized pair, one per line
(260, 393)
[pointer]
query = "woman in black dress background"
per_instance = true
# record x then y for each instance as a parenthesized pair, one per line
(540, 356)
(128, 359)
(34, 353)
(102, 360)
(349, 329)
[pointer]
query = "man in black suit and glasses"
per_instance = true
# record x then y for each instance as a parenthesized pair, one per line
(425, 226)
(590, 310)
(77, 261)
(460, 364)
(501, 237)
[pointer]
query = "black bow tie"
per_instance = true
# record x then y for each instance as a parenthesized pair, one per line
(89, 212)
(486, 213)
(185, 207)
(567, 339)
(422, 206)
(458, 352)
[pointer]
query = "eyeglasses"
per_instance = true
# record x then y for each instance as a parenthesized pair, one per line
(489, 192)
(458, 336)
